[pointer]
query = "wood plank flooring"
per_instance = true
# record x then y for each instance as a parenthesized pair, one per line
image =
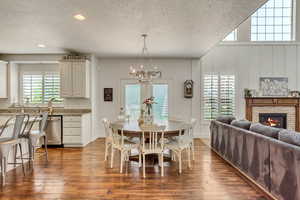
(81, 173)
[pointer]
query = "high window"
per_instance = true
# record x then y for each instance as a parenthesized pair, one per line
(273, 21)
(39, 88)
(218, 95)
(231, 36)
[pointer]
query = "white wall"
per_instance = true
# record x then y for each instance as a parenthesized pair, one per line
(248, 62)
(110, 72)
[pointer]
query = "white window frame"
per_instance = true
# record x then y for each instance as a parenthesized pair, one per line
(21, 92)
(235, 32)
(203, 120)
(146, 91)
(293, 28)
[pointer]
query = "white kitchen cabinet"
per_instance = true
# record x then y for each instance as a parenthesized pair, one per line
(3, 80)
(77, 130)
(75, 78)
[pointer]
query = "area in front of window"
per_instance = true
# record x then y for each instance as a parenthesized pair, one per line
(273, 21)
(133, 100)
(218, 95)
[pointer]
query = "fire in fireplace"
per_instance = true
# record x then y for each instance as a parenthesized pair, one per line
(277, 120)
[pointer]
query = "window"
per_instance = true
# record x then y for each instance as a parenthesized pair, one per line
(231, 36)
(218, 96)
(160, 93)
(273, 21)
(39, 88)
(134, 97)
(133, 100)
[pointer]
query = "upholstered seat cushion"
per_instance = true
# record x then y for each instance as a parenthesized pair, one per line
(244, 124)
(290, 137)
(265, 130)
(225, 119)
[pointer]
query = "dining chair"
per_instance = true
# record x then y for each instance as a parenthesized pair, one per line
(152, 143)
(12, 127)
(181, 143)
(120, 143)
(108, 136)
(34, 137)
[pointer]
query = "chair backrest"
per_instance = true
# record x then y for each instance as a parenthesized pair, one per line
(152, 137)
(19, 120)
(28, 124)
(7, 124)
(44, 121)
(117, 133)
(107, 129)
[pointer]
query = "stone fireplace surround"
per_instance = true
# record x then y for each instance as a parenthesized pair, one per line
(288, 105)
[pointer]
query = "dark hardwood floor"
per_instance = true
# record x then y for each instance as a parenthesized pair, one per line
(81, 173)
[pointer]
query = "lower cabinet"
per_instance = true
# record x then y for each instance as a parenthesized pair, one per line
(77, 130)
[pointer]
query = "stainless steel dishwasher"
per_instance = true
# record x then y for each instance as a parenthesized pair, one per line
(54, 131)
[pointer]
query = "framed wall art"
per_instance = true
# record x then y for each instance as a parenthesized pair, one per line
(274, 86)
(108, 94)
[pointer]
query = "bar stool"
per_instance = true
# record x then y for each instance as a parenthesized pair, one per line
(8, 143)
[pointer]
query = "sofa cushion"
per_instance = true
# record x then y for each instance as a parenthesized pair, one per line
(265, 130)
(291, 137)
(225, 119)
(244, 124)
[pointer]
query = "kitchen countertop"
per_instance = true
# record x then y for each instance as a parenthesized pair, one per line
(56, 111)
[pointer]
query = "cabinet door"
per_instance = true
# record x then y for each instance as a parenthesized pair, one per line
(66, 86)
(3, 80)
(79, 79)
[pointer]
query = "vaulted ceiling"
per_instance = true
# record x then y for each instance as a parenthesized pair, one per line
(176, 28)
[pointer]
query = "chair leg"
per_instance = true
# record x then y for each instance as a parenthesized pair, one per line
(106, 149)
(144, 166)
(46, 147)
(140, 159)
(193, 150)
(189, 157)
(15, 150)
(21, 155)
(180, 162)
(162, 164)
(122, 159)
(3, 169)
(112, 157)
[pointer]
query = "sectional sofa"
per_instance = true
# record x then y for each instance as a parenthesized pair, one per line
(269, 156)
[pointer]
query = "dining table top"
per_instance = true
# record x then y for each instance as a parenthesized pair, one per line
(132, 127)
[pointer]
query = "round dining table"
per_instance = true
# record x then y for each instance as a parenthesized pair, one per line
(132, 129)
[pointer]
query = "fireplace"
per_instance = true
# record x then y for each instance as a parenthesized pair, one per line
(278, 120)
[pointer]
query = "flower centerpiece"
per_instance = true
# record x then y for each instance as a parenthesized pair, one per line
(149, 104)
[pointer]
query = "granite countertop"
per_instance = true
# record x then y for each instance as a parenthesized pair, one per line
(56, 111)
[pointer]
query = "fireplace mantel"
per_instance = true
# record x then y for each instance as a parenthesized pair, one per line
(293, 102)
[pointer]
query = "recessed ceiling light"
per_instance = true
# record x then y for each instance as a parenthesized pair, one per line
(41, 45)
(79, 17)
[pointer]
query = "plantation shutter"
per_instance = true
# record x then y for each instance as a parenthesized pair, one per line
(218, 96)
(210, 95)
(52, 87)
(33, 88)
(227, 95)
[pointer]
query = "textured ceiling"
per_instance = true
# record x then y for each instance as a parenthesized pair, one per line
(176, 28)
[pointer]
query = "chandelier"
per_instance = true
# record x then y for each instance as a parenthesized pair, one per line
(146, 72)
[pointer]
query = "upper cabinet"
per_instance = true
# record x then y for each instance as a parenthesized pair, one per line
(75, 78)
(3, 80)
